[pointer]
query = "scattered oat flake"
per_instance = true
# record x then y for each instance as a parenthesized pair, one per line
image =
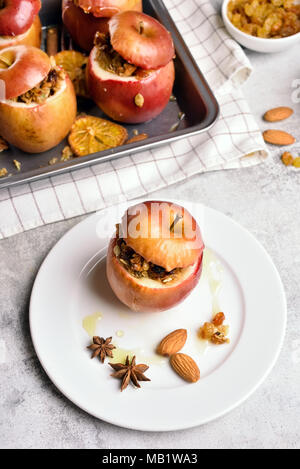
(137, 138)
(3, 172)
(17, 165)
(3, 144)
(66, 153)
(287, 158)
(296, 162)
(52, 161)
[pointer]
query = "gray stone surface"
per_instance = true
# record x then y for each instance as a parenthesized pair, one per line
(265, 200)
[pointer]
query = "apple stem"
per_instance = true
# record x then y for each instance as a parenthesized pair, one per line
(176, 220)
(141, 28)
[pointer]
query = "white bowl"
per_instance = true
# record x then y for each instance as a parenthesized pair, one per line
(256, 43)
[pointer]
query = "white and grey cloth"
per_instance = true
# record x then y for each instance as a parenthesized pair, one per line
(227, 145)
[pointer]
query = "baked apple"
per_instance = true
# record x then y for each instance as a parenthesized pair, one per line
(131, 70)
(20, 23)
(155, 259)
(39, 103)
(83, 18)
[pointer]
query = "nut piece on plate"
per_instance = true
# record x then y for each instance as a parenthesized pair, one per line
(40, 103)
(185, 367)
(74, 63)
(172, 343)
(20, 23)
(155, 259)
(215, 331)
(131, 70)
(84, 18)
(278, 137)
(91, 134)
(278, 114)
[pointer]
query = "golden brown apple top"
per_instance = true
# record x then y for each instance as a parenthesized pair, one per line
(163, 233)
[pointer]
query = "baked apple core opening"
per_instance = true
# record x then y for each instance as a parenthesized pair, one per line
(139, 268)
(111, 61)
(45, 89)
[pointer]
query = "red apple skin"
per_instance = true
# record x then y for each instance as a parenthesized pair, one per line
(28, 67)
(83, 26)
(108, 8)
(117, 98)
(32, 37)
(145, 299)
(148, 47)
(39, 128)
(17, 16)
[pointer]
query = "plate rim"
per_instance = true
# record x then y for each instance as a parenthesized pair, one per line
(179, 426)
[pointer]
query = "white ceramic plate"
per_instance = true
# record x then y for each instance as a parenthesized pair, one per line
(71, 285)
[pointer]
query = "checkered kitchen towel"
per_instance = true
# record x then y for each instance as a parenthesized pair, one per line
(225, 146)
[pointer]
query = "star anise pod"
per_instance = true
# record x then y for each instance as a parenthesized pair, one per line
(129, 372)
(102, 348)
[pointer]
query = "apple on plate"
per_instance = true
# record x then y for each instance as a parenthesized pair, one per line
(131, 71)
(84, 18)
(20, 23)
(155, 259)
(39, 103)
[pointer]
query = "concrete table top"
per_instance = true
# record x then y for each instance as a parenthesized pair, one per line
(265, 200)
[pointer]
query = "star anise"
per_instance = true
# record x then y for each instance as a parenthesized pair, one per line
(102, 348)
(129, 372)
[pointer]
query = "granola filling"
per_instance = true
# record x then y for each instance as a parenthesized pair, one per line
(138, 267)
(112, 62)
(47, 88)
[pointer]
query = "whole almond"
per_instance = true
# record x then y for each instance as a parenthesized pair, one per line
(172, 343)
(278, 114)
(278, 137)
(185, 367)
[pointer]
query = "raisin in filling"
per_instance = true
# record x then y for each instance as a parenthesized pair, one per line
(139, 267)
(47, 88)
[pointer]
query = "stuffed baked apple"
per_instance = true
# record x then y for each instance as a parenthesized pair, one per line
(155, 259)
(83, 18)
(39, 103)
(131, 70)
(20, 23)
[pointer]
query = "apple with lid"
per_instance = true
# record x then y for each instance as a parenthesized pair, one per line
(155, 259)
(38, 103)
(131, 70)
(83, 18)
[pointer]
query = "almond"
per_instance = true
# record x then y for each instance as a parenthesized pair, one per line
(185, 367)
(278, 114)
(172, 343)
(278, 137)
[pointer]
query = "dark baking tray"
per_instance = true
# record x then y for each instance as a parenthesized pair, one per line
(194, 98)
